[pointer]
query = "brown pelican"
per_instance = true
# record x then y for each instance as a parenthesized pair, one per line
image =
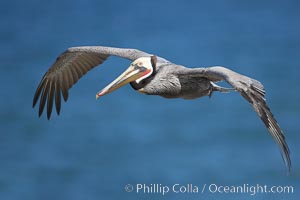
(153, 75)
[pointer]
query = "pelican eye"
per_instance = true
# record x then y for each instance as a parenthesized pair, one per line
(140, 68)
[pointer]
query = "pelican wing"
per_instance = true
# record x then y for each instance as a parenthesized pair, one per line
(253, 91)
(69, 67)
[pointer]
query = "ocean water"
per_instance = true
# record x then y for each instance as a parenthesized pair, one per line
(94, 149)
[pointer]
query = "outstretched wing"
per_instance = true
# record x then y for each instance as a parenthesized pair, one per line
(253, 91)
(69, 67)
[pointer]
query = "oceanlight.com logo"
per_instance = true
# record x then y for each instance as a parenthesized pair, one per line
(162, 189)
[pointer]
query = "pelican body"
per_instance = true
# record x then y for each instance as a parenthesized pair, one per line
(153, 75)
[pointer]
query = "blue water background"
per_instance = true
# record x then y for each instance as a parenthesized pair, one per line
(95, 148)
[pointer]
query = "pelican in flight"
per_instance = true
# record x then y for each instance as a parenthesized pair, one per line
(153, 75)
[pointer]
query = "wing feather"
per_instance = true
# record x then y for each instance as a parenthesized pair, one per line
(253, 91)
(44, 97)
(57, 95)
(65, 86)
(69, 67)
(71, 79)
(38, 92)
(50, 98)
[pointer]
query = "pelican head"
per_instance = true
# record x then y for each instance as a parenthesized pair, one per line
(138, 70)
